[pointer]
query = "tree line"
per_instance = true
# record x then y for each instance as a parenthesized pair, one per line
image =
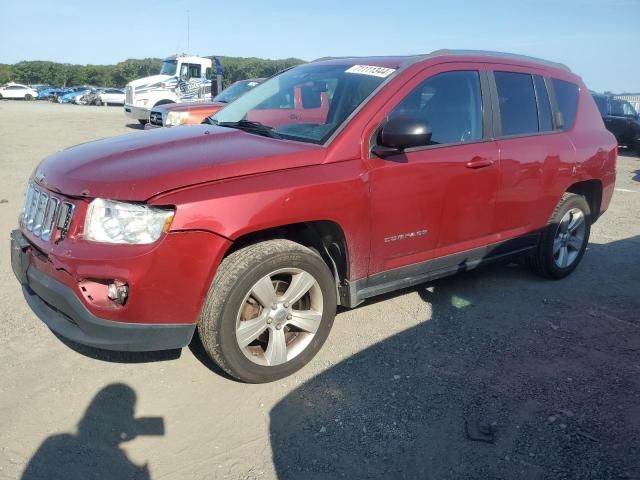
(118, 75)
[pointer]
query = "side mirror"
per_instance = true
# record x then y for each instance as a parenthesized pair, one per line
(400, 133)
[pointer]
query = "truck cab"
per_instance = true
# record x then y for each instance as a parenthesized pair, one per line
(182, 78)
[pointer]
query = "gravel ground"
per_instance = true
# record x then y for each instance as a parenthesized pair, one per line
(490, 374)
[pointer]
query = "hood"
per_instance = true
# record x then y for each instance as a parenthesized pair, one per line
(190, 107)
(146, 81)
(140, 165)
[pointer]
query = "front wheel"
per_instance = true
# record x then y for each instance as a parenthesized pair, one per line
(564, 239)
(142, 122)
(269, 310)
(28, 97)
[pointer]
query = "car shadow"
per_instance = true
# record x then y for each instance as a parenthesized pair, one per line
(537, 382)
(636, 176)
(135, 126)
(94, 451)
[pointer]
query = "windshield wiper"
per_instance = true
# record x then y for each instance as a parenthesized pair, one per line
(250, 127)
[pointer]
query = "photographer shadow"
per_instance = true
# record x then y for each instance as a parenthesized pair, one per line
(94, 451)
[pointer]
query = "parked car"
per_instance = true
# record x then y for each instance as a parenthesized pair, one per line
(18, 91)
(254, 227)
(187, 113)
(110, 96)
(621, 119)
(74, 95)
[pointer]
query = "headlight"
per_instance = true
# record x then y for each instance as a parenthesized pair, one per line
(176, 118)
(118, 222)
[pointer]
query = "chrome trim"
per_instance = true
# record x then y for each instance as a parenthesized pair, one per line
(42, 212)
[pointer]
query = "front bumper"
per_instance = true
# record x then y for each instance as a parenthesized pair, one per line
(137, 113)
(142, 325)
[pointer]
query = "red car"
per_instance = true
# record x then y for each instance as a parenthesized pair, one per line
(254, 227)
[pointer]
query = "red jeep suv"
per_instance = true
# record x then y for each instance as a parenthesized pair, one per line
(253, 227)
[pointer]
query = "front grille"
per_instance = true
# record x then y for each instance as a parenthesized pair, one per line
(44, 213)
(155, 118)
(128, 95)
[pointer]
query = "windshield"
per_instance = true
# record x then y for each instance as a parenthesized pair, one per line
(169, 67)
(306, 103)
(234, 91)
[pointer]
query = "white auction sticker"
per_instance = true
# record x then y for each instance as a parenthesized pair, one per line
(371, 70)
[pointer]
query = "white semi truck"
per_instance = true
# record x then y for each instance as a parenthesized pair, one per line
(182, 78)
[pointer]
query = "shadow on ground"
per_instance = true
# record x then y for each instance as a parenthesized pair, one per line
(135, 126)
(94, 452)
(541, 382)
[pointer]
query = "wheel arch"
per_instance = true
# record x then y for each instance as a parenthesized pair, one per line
(164, 101)
(324, 236)
(591, 190)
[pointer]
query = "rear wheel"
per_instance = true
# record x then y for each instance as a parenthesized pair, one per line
(269, 311)
(28, 97)
(142, 122)
(564, 239)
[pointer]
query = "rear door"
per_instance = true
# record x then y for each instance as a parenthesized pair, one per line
(536, 157)
(438, 200)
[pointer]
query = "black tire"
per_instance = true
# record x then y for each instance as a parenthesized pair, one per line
(98, 102)
(28, 97)
(543, 261)
(234, 280)
(142, 122)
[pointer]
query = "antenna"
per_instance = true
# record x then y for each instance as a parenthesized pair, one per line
(188, 50)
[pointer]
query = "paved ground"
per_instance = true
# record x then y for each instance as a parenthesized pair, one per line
(551, 369)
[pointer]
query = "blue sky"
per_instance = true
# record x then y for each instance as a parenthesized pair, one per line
(598, 39)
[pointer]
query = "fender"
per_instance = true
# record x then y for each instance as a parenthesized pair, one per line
(236, 207)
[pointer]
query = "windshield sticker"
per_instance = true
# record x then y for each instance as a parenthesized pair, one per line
(372, 70)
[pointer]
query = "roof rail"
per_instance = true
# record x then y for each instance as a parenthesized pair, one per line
(510, 56)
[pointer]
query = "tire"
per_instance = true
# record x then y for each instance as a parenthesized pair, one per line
(142, 122)
(98, 102)
(28, 97)
(268, 268)
(564, 239)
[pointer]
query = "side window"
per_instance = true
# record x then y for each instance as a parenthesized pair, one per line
(451, 103)
(194, 70)
(567, 100)
(518, 110)
(207, 73)
(545, 122)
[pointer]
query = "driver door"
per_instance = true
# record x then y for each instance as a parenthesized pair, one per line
(436, 201)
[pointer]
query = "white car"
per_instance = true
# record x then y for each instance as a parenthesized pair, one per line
(111, 96)
(15, 90)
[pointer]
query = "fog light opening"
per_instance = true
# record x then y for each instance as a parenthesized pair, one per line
(118, 292)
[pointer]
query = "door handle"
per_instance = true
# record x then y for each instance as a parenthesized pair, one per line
(479, 162)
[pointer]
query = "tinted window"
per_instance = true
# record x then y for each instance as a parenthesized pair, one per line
(518, 111)
(194, 70)
(567, 100)
(545, 122)
(601, 102)
(451, 103)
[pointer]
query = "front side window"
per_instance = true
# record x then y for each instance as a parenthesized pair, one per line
(518, 109)
(306, 103)
(567, 100)
(451, 103)
(194, 70)
(622, 108)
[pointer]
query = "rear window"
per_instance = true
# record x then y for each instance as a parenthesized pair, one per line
(567, 100)
(518, 109)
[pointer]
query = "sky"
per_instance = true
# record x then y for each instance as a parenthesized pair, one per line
(597, 39)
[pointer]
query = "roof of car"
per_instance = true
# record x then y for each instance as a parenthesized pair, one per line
(401, 61)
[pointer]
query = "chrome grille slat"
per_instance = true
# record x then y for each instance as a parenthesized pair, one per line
(43, 213)
(40, 211)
